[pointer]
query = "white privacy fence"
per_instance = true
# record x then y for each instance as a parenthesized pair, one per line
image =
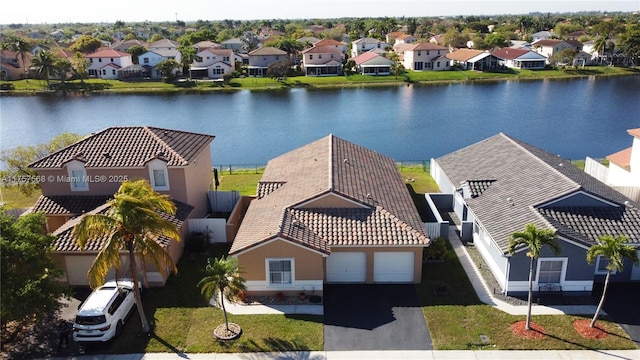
(595, 169)
(215, 228)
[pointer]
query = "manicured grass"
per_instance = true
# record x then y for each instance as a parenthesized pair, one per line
(183, 321)
(14, 199)
(243, 180)
(456, 320)
(338, 81)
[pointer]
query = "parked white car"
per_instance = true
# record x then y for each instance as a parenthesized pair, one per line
(101, 317)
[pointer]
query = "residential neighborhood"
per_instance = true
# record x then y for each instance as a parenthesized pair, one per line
(497, 246)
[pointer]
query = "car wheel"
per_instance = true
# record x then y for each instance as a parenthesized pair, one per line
(119, 328)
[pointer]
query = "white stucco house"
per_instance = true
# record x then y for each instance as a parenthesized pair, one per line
(105, 63)
(212, 64)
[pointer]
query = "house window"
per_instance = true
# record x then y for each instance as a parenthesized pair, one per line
(427, 52)
(146, 60)
(550, 271)
(418, 53)
(280, 271)
(111, 59)
(319, 56)
(601, 266)
(113, 72)
(100, 60)
(310, 56)
(77, 176)
(158, 176)
(418, 65)
(438, 64)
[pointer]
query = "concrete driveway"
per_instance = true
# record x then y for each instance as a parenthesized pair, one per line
(621, 304)
(374, 317)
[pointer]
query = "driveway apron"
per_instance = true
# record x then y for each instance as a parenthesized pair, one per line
(621, 304)
(374, 317)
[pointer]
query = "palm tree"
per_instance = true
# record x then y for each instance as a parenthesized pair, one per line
(615, 251)
(44, 64)
(600, 46)
(223, 276)
(535, 239)
(20, 46)
(132, 222)
(62, 67)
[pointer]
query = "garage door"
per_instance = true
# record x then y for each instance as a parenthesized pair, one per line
(390, 267)
(347, 267)
(77, 267)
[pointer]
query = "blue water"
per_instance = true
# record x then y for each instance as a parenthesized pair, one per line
(572, 118)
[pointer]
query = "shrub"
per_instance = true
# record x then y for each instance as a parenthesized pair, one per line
(437, 250)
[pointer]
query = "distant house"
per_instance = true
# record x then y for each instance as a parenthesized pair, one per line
(542, 35)
(206, 44)
(548, 48)
(340, 46)
(329, 212)
(105, 63)
(310, 40)
(322, 61)
(365, 44)
(151, 58)
(164, 44)
(469, 59)
(84, 175)
(370, 63)
(125, 45)
(212, 64)
(234, 44)
(624, 165)
(399, 37)
(57, 34)
(426, 56)
(11, 65)
(501, 184)
(520, 59)
(437, 39)
(260, 59)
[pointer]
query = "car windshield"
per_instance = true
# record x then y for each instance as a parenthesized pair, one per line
(90, 320)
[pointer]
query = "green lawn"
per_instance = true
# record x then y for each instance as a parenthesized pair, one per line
(184, 322)
(14, 199)
(31, 86)
(457, 320)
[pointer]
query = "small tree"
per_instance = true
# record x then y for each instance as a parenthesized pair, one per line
(166, 68)
(615, 251)
(535, 239)
(223, 277)
(279, 69)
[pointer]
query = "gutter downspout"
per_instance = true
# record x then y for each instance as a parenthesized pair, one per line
(506, 276)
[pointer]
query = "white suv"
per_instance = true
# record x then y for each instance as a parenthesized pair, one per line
(102, 315)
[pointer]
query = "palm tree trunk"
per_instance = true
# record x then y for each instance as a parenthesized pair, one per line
(224, 310)
(604, 293)
(136, 288)
(528, 321)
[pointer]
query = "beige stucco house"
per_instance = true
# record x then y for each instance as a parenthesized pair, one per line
(80, 179)
(329, 212)
(260, 59)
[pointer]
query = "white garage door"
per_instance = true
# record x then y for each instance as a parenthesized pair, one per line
(347, 267)
(389, 267)
(77, 267)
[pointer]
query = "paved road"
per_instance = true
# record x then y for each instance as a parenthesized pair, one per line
(374, 317)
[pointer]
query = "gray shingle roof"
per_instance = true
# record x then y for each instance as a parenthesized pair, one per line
(129, 147)
(377, 210)
(526, 179)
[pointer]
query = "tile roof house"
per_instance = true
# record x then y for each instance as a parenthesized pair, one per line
(426, 56)
(549, 47)
(11, 65)
(83, 176)
(365, 44)
(500, 184)
(370, 63)
(212, 63)
(322, 61)
(329, 211)
(470, 59)
(520, 58)
(105, 63)
(260, 59)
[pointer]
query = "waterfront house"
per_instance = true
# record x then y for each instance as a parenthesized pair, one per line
(105, 63)
(151, 58)
(80, 178)
(426, 56)
(123, 46)
(12, 66)
(520, 58)
(212, 63)
(329, 212)
(469, 59)
(548, 48)
(322, 61)
(501, 184)
(370, 63)
(260, 59)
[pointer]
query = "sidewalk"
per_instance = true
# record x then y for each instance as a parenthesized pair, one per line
(486, 296)
(243, 309)
(388, 355)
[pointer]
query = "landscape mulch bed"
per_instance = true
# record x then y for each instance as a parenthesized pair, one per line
(599, 331)
(535, 333)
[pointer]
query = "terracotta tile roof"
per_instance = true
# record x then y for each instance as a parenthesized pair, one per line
(622, 158)
(634, 132)
(547, 42)
(364, 57)
(65, 242)
(377, 210)
(463, 54)
(130, 147)
(526, 178)
(428, 46)
(107, 53)
(68, 204)
(328, 42)
(509, 53)
(322, 50)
